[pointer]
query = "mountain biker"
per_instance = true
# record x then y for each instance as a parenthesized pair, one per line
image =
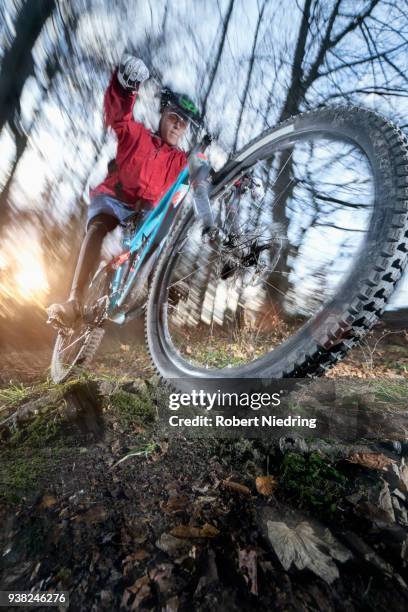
(146, 165)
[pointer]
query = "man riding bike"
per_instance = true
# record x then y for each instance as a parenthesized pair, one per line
(145, 166)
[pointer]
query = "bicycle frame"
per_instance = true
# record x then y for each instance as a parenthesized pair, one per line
(149, 238)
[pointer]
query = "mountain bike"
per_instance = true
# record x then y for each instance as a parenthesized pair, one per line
(311, 239)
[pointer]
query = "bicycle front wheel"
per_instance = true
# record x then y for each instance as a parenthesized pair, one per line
(313, 218)
(75, 347)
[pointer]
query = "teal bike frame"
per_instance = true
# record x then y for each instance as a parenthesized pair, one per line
(149, 237)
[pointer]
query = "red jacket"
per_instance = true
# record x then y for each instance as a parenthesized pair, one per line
(145, 166)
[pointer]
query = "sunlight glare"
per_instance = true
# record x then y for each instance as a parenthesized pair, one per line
(31, 281)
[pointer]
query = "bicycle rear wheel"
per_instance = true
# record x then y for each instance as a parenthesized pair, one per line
(302, 271)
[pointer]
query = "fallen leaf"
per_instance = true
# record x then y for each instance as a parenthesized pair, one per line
(236, 487)
(125, 348)
(187, 531)
(265, 485)
(209, 575)
(385, 502)
(161, 576)
(138, 555)
(115, 446)
(247, 560)
(162, 449)
(142, 590)
(176, 503)
(403, 473)
(95, 514)
(172, 604)
(305, 549)
(373, 461)
(204, 499)
(47, 502)
(173, 546)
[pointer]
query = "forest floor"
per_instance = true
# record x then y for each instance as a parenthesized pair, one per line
(96, 501)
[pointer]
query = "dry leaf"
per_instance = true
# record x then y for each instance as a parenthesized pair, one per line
(172, 604)
(130, 561)
(248, 565)
(265, 485)
(142, 589)
(373, 461)
(403, 475)
(162, 449)
(173, 546)
(385, 502)
(209, 575)
(47, 501)
(95, 514)
(305, 549)
(236, 487)
(187, 531)
(140, 554)
(176, 503)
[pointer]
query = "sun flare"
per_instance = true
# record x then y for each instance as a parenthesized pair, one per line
(31, 281)
(22, 275)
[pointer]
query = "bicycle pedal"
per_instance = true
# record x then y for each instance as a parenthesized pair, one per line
(56, 323)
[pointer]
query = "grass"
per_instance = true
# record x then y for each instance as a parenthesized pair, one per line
(25, 456)
(391, 390)
(29, 453)
(13, 396)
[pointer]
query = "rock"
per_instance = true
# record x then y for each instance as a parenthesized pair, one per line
(107, 387)
(292, 444)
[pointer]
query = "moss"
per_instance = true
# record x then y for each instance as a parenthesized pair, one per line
(41, 432)
(132, 408)
(19, 476)
(312, 481)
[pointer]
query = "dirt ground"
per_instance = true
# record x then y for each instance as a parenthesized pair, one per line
(95, 501)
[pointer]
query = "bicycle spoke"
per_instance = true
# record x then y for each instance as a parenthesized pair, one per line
(75, 342)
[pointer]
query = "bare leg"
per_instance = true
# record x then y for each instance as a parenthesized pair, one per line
(88, 259)
(90, 252)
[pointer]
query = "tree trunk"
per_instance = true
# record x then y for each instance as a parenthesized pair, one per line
(17, 64)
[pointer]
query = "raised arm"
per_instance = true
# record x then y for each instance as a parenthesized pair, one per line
(122, 91)
(118, 104)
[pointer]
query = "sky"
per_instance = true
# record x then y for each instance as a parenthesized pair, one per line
(60, 151)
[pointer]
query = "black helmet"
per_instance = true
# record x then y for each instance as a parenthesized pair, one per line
(181, 103)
